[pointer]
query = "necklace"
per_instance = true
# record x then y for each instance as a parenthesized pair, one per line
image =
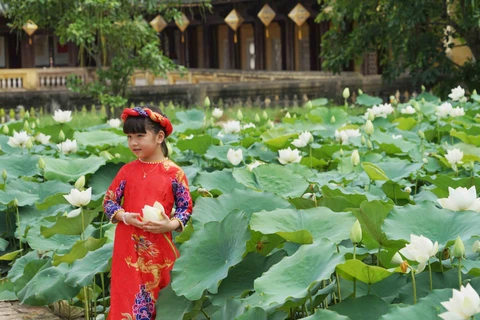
(145, 173)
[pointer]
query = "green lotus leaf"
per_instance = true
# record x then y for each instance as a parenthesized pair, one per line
(324, 114)
(374, 172)
(313, 162)
(83, 270)
(367, 100)
(249, 201)
(3, 244)
(69, 226)
(304, 226)
(190, 119)
(371, 216)
(198, 144)
(219, 153)
(10, 256)
(473, 139)
(319, 102)
(470, 153)
(395, 192)
(341, 199)
(273, 178)
(231, 310)
(260, 151)
(253, 314)
(7, 292)
(405, 123)
(56, 242)
(24, 198)
(293, 278)
(443, 182)
(222, 181)
(170, 306)
(71, 169)
(99, 138)
(397, 169)
(19, 265)
(425, 219)
(358, 270)
(364, 308)
(223, 242)
(278, 138)
(264, 244)
(324, 314)
(19, 165)
(390, 145)
(79, 250)
(54, 130)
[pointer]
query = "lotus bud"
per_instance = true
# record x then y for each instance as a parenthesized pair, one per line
(423, 88)
(397, 258)
(408, 190)
(356, 232)
(422, 100)
(341, 152)
(476, 246)
(332, 119)
(169, 148)
(29, 144)
(425, 160)
(264, 115)
(415, 105)
(287, 115)
(5, 130)
(61, 136)
(363, 140)
(421, 134)
(309, 104)
(117, 155)
(270, 124)
(371, 115)
(41, 163)
(80, 183)
(369, 144)
(15, 202)
(355, 158)
(369, 128)
(239, 114)
(27, 114)
(207, 102)
(33, 125)
(257, 117)
(37, 121)
(474, 91)
(4, 175)
(459, 248)
(360, 92)
(220, 143)
(294, 116)
(2, 119)
(26, 126)
(346, 93)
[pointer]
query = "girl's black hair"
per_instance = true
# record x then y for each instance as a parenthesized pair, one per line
(141, 124)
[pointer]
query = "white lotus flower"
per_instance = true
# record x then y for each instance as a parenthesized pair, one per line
(114, 123)
(42, 138)
(153, 213)
(74, 213)
(286, 156)
(248, 126)
(19, 139)
(463, 305)
(303, 139)
(62, 116)
(79, 198)
(345, 135)
(382, 110)
(457, 112)
(454, 156)
(254, 164)
(408, 110)
(420, 250)
(235, 156)
(68, 146)
(397, 259)
(217, 113)
(396, 137)
(461, 199)
(231, 126)
(443, 110)
(457, 93)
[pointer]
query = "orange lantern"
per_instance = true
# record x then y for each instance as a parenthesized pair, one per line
(234, 20)
(182, 24)
(299, 15)
(266, 15)
(158, 24)
(30, 27)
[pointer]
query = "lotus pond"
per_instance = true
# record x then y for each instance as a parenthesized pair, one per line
(364, 211)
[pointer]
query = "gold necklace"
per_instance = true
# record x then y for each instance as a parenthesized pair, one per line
(145, 173)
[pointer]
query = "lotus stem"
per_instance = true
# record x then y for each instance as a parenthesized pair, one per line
(206, 315)
(87, 304)
(414, 285)
(82, 235)
(430, 273)
(17, 214)
(338, 287)
(102, 279)
(311, 161)
(459, 272)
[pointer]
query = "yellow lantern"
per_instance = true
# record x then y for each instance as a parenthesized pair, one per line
(182, 24)
(234, 20)
(266, 15)
(299, 15)
(158, 24)
(30, 27)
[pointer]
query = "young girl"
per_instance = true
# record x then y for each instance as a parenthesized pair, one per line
(143, 252)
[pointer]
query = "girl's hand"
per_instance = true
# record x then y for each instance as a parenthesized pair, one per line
(162, 226)
(132, 219)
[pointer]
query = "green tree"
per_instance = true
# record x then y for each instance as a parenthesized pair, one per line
(112, 33)
(408, 36)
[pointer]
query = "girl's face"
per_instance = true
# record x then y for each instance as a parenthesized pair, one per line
(146, 146)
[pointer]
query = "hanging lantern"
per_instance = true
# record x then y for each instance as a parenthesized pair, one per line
(234, 20)
(182, 24)
(30, 27)
(266, 15)
(158, 24)
(299, 15)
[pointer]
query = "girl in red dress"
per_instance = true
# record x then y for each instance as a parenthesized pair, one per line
(143, 252)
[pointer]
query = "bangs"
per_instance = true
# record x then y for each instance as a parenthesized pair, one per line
(135, 125)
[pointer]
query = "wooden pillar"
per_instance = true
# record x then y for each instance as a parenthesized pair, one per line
(182, 59)
(28, 54)
(315, 63)
(207, 45)
(191, 47)
(260, 58)
(234, 49)
(323, 28)
(288, 35)
(72, 54)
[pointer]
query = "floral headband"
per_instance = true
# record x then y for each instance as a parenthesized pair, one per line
(147, 113)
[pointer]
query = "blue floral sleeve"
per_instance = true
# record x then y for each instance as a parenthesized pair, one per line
(183, 200)
(112, 202)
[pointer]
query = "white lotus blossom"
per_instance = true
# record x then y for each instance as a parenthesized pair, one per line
(114, 123)
(345, 135)
(476, 246)
(396, 137)
(217, 113)
(463, 305)
(62, 116)
(286, 156)
(19, 139)
(457, 93)
(68, 146)
(42, 138)
(248, 125)
(254, 164)
(303, 139)
(454, 156)
(382, 110)
(235, 156)
(444, 110)
(79, 198)
(420, 250)
(457, 112)
(232, 126)
(461, 199)
(153, 213)
(408, 110)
